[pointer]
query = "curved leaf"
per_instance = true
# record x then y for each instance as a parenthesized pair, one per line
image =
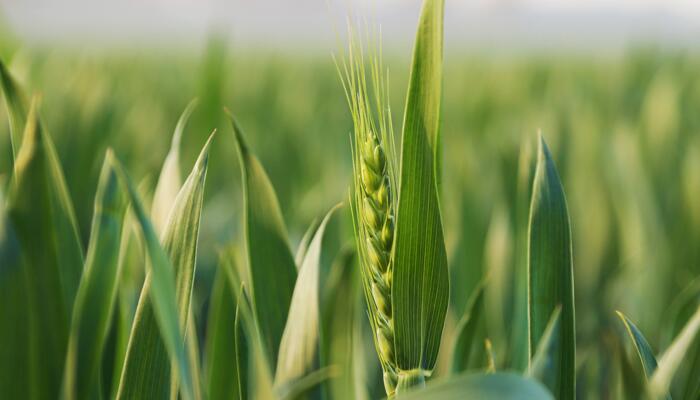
(271, 265)
(298, 354)
(420, 291)
(94, 301)
(550, 270)
(165, 299)
(644, 351)
(495, 386)
(646, 354)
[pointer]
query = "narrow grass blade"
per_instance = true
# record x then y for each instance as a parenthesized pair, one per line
(180, 239)
(165, 297)
(644, 351)
(674, 355)
(466, 331)
(226, 349)
(420, 291)
(545, 360)
(550, 270)
(169, 182)
(94, 301)
(41, 212)
(16, 105)
(646, 354)
(271, 265)
(298, 353)
(495, 386)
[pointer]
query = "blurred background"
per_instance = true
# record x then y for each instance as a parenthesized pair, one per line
(613, 85)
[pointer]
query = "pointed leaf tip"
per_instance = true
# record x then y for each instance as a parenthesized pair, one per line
(550, 270)
(203, 158)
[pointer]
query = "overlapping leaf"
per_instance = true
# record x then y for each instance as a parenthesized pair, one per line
(147, 368)
(298, 354)
(98, 287)
(420, 291)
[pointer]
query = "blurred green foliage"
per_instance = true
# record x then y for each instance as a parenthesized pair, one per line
(625, 133)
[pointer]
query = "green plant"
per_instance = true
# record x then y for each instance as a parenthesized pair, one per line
(396, 247)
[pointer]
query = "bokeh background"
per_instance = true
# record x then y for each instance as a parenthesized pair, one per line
(614, 86)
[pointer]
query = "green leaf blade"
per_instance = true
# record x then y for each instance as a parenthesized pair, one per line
(169, 181)
(97, 292)
(272, 269)
(227, 352)
(550, 269)
(41, 212)
(646, 354)
(420, 291)
(165, 297)
(298, 355)
(643, 349)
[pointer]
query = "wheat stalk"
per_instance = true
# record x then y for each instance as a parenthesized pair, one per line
(373, 198)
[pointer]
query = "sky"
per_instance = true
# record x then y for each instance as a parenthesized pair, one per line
(289, 24)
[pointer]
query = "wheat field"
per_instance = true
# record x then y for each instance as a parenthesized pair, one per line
(371, 224)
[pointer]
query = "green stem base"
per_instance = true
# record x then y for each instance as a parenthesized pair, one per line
(410, 380)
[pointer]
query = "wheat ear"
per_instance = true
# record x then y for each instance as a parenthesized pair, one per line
(373, 197)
